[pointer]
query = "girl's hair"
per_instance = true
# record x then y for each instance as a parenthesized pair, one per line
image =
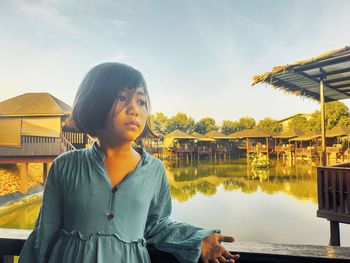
(97, 93)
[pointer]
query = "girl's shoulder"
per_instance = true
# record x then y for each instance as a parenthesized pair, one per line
(72, 157)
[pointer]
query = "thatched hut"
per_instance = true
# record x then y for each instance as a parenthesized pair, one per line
(337, 146)
(253, 141)
(178, 144)
(221, 146)
(307, 146)
(203, 145)
(283, 145)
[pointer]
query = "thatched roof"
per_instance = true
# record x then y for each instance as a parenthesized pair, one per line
(216, 135)
(34, 104)
(291, 133)
(177, 134)
(338, 131)
(307, 136)
(249, 133)
(201, 137)
(302, 78)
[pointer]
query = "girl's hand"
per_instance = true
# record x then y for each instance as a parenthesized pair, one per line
(213, 251)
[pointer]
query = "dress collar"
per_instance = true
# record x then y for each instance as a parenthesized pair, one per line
(97, 152)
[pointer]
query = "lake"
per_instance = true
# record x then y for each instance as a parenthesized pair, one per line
(274, 205)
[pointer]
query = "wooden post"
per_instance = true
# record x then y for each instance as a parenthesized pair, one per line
(44, 172)
(323, 125)
(335, 235)
(23, 178)
(267, 149)
(247, 144)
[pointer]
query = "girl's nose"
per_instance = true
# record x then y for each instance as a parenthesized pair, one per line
(131, 108)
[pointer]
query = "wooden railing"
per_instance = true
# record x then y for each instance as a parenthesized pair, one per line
(333, 184)
(286, 147)
(204, 149)
(12, 241)
(66, 145)
(34, 146)
(257, 148)
(184, 149)
(222, 148)
(310, 151)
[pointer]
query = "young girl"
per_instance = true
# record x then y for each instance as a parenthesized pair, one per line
(105, 203)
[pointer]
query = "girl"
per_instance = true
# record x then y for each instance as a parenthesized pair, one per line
(105, 203)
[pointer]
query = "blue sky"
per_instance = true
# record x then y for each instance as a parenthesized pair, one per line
(198, 56)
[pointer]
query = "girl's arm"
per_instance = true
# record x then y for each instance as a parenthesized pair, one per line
(40, 242)
(182, 240)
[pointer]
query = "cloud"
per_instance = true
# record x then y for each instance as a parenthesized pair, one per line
(44, 14)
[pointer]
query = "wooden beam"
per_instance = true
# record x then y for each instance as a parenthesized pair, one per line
(332, 72)
(335, 234)
(27, 159)
(321, 64)
(323, 125)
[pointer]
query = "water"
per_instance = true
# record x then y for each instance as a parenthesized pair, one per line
(275, 205)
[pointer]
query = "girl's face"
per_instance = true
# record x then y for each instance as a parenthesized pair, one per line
(128, 116)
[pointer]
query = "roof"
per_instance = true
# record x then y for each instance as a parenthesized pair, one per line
(179, 135)
(338, 131)
(216, 135)
(201, 137)
(291, 133)
(303, 77)
(249, 133)
(293, 116)
(307, 136)
(34, 104)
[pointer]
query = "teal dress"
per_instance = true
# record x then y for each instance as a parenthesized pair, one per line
(85, 219)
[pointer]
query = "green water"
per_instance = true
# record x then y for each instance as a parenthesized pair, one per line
(276, 205)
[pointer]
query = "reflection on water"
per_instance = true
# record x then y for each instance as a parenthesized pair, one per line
(23, 218)
(276, 205)
(187, 179)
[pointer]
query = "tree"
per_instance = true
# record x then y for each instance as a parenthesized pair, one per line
(247, 123)
(269, 125)
(299, 122)
(229, 127)
(159, 123)
(204, 125)
(334, 112)
(182, 122)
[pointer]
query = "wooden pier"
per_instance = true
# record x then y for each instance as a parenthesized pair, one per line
(254, 142)
(203, 145)
(333, 184)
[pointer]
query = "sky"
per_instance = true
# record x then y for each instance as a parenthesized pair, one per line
(197, 56)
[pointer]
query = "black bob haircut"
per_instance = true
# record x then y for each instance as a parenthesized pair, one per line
(99, 90)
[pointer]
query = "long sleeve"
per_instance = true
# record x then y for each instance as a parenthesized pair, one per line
(40, 242)
(180, 239)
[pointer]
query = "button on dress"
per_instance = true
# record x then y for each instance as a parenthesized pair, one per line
(83, 218)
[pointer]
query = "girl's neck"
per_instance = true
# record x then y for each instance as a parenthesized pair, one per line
(116, 148)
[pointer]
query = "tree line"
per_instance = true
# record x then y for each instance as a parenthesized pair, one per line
(337, 113)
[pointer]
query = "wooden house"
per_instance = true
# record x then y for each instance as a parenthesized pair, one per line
(152, 142)
(337, 148)
(203, 145)
(179, 145)
(31, 126)
(307, 146)
(283, 146)
(31, 130)
(253, 141)
(221, 146)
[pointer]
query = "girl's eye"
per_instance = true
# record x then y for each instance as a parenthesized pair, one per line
(121, 98)
(142, 102)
